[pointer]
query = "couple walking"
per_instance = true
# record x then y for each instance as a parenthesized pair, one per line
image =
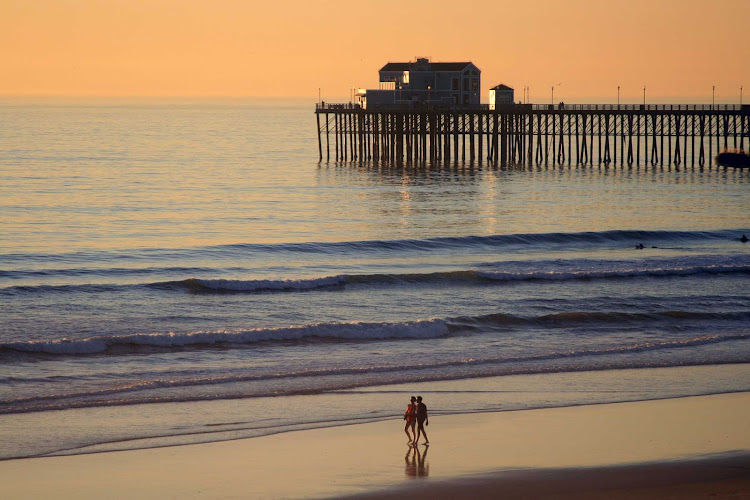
(416, 415)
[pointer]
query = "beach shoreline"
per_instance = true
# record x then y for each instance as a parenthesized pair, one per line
(74, 431)
(572, 449)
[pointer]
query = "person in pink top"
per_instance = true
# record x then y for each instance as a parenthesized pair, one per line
(411, 419)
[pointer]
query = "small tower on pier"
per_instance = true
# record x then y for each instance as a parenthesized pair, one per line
(501, 95)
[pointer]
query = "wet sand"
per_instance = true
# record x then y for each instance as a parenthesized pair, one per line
(724, 476)
(653, 449)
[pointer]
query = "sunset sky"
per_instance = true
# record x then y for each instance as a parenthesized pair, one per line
(676, 48)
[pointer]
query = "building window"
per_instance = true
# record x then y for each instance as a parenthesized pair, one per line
(405, 79)
(454, 84)
(466, 100)
(475, 84)
(466, 84)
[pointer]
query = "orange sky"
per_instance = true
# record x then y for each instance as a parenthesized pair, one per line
(677, 48)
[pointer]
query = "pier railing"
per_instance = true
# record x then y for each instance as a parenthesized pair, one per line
(637, 107)
(324, 106)
(414, 107)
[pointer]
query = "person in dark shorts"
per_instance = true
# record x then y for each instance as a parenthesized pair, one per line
(422, 421)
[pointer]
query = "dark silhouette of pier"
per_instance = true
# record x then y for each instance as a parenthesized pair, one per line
(580, 134)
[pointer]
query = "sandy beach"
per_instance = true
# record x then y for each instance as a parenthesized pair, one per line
(696, 447)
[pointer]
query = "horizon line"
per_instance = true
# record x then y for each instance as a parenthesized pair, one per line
(343, 99)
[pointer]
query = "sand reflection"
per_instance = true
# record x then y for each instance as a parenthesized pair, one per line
(416, 462)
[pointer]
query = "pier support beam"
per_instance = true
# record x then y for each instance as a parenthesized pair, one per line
(527, 134)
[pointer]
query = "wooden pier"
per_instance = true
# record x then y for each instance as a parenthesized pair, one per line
(581, 134)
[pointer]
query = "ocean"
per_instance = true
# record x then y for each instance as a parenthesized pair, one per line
(176, 271)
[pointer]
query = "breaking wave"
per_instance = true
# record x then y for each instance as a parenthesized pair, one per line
(198, 285)
(547, 362)
(355, 331)
(342, 331)
(508, 271)
(591, 239)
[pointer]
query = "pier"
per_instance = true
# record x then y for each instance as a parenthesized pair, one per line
(580, 134)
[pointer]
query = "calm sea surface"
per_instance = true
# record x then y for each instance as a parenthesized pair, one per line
(177, 271)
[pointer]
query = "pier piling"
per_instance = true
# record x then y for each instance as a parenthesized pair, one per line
(525, 133)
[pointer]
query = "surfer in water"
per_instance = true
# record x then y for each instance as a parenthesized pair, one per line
(411, 419)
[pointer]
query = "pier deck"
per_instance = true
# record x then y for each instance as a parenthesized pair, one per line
(530, 133)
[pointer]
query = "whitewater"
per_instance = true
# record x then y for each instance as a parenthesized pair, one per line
(185, 274)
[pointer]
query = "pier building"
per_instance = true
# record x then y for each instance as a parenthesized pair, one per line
(424, 83)
(425, 111)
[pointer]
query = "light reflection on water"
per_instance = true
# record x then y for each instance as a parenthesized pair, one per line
(536, 199)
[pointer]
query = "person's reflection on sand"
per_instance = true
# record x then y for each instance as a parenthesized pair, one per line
(423, 466)
(416, 462)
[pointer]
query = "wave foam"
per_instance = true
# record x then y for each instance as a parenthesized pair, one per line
(349, 331)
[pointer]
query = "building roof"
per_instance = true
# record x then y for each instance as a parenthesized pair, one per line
(433, 66)
(501, 87)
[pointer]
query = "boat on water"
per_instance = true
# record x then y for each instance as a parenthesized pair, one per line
(733, 158)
